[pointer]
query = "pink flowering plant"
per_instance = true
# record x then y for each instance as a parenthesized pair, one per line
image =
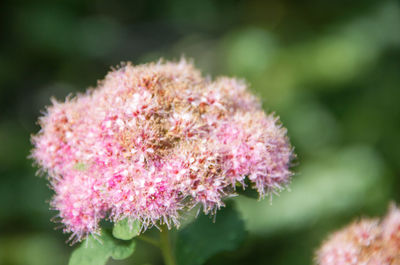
(367, 241)
(149, 144)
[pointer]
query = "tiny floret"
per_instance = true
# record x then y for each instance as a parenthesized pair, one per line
(369, 242)
(153, 140)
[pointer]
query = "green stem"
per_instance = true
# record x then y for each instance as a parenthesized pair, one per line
(166, 249)
(149, 240)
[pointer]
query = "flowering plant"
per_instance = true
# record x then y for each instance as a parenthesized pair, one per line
(368, 241)
(150, 143)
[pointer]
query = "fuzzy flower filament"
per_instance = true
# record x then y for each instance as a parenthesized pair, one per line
(152, 140)
(368, 241)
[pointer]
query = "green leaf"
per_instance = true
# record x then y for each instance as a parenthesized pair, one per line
(80, 166)
(202, 239)
(249, 192)
(123, 251)
(126, 229)
(93, 252)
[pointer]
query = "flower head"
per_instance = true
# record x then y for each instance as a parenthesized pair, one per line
(154, 139)
(364, 242)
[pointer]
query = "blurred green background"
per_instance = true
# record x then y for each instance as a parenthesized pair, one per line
(330, 69)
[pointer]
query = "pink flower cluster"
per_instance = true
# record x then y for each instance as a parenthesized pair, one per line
(154, 139)
(366, 242)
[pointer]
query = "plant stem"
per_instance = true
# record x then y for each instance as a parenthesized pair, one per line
(149, 240)
(166, 249)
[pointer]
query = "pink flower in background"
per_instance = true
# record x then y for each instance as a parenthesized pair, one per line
(366, 242)
(154, 139)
